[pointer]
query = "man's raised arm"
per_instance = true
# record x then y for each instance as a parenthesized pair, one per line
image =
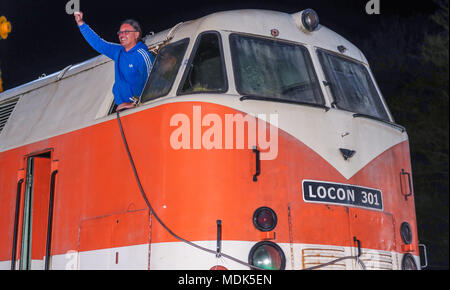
(107, 48)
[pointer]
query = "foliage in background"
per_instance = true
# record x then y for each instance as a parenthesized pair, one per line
(410, 61)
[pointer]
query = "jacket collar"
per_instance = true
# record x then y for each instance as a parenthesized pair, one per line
(138, 45)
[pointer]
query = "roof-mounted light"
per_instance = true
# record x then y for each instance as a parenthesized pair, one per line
(307, 19)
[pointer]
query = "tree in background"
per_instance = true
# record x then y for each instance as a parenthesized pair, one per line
(409, 57)
(432, 140)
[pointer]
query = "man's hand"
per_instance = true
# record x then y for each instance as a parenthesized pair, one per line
(79, 18)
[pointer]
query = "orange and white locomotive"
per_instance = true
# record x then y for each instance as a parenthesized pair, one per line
(261, 141)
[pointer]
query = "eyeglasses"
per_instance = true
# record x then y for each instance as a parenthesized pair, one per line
(125, 32)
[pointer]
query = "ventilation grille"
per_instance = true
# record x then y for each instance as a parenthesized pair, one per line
(372, 259)
(317, 256)
(5, 111)
(377, 260)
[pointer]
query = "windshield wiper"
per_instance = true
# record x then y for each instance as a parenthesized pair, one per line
(359, 115)
(269, 99)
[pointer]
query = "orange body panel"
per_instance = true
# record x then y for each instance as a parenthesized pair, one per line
(191, 189)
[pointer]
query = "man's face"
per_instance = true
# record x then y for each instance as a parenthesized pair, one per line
(128, 39)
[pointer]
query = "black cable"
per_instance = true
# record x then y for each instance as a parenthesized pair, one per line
(152, 211)
(141, 189)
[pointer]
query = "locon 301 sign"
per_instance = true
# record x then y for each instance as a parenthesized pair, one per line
(342, 194)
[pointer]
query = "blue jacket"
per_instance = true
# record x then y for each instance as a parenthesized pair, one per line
(132, 68)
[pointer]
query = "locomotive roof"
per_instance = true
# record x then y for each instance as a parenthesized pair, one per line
(261, 22)
(249, 21)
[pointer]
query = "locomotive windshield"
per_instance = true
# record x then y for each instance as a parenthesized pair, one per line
(351, 86)
(274, 69)
(165, 70)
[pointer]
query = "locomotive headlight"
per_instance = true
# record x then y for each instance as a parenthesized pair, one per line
(307, 19)
(408, 262)
(267, 255)
(264, 219)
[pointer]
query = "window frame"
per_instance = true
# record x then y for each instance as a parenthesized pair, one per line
(187, 39)
(191, 60)
(308, 58)
(335, 98)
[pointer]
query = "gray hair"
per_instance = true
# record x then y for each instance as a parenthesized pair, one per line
(135, 25)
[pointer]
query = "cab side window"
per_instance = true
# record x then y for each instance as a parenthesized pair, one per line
(205, 71)
(165, 70)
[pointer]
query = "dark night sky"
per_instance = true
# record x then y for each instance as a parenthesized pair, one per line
(45, 39)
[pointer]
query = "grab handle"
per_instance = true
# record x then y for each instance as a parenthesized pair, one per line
(424, 251)
(258, 164)
(219, 238)
(409, 183)
(16, 225)
(50, 221)
(358, 243)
